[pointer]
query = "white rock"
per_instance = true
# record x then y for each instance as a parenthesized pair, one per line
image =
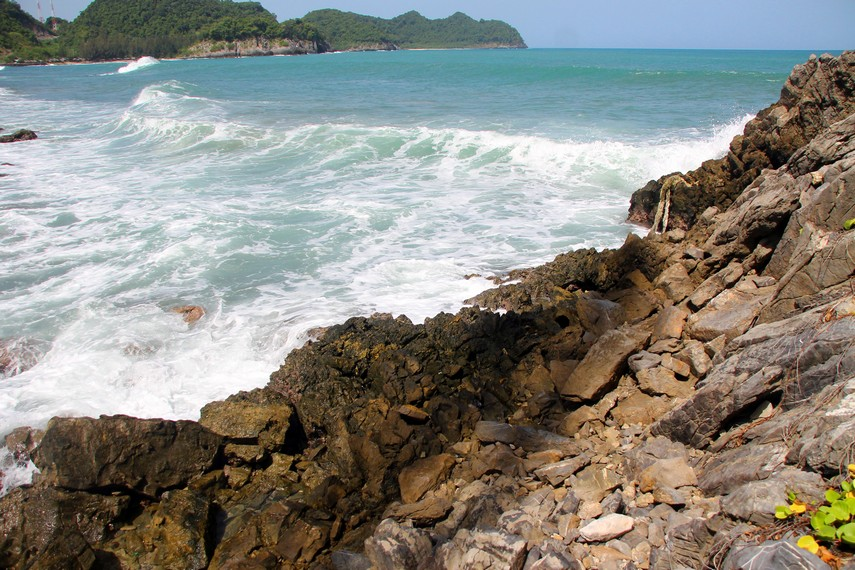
(606, 528)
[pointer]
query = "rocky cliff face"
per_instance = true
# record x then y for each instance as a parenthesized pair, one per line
(646, 407)
(253, 47)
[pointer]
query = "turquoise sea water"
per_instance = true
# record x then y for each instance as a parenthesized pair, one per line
(286, 193)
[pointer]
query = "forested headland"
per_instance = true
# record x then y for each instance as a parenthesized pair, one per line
(122, 29)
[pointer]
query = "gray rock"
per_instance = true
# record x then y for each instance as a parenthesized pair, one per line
(643, 360)
(777, 554)
(758, 366)
(731, 468)
(715, 284)
(595, 482)
(650, 452)
(394, 546)
(482, 549)
(755, 501)
(347, 560)
(694, 354)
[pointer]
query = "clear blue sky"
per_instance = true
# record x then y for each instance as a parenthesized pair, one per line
(814, 25)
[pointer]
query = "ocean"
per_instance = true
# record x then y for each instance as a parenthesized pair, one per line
(288, 193)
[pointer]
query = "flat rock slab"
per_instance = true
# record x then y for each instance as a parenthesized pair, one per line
(598, 372)
(730, 313)
(529, 439)
(606, 528)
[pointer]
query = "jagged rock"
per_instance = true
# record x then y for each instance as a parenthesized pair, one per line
(19, 135)
(425, 474)
(598, 372)
(173, 534)
(639, 408)
(599, 316)
(776, 554)
(259, 417)
(49, 528)
(482, 549)
(734, 467)
(650, 452)
(761, 363)
(715, 284)
(676, 366)
(147, 456)
(816, 95)
(694, 354)
(348, 560)
(595, 482)
(572, 422)
(643, 360)
(424, 512)
(606, 528)
(556, 473)
(394, 546)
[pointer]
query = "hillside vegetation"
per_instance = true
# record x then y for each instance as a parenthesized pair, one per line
(22, 36)
(348, 31)
(120, 29)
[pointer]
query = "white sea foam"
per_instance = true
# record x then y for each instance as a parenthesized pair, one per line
(141, 63)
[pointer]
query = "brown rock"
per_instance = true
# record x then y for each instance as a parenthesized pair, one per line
(256, 417)
(19, 135)
(667, 473)
(191, 313)
(730, 313)
(413, 414)
(675, 283)
(595, 482)
(146, 456)
(678, 367)
(669, 323)
(599, 370)
(639, 408)
(574, 421)
(424, 475)
(661, 381)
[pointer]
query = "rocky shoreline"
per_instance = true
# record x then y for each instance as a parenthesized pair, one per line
(646, 407)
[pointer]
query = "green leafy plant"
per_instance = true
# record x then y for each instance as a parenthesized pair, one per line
(832, 522)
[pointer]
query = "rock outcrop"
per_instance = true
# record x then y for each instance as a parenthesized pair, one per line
(646, 407)
(19, 135)
(817, 94)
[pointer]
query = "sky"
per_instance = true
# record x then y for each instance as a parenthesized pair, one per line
(814, 25)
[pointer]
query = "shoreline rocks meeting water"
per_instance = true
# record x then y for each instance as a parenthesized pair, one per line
(646, 407)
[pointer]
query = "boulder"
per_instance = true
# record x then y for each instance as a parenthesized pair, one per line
(258, 417)
(146, 456)
(730, 314)
(191, 313)
(669, 323)
(19, 135)
(672, 473)
(675, 283)
(600, 368)
(661, 381)
(425, 474)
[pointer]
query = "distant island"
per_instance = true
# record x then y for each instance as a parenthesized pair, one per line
(129, 29)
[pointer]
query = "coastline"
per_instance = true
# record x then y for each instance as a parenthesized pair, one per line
(397, 422)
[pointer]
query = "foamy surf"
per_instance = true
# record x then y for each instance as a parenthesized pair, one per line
(141, 63)
(228, 184)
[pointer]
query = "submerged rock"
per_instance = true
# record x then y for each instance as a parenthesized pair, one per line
(19, 135)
